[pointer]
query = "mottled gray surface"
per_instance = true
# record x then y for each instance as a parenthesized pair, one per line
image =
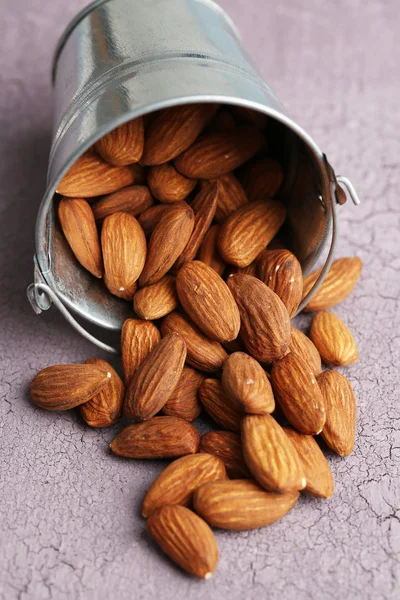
(70, 524)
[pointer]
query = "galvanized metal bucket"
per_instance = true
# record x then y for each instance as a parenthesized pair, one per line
(119, 59)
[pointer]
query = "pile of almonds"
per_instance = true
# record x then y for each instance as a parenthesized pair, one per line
(198, 252)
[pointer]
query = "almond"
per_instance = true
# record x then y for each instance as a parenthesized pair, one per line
(246, 384)
(155, 379)
(92, 176)
(186, 539)
(217, 153)
(173, 130)
(222, 121)
(159, 437)
(333, 340)
(241, 504)
(207, 300)
(261, 179)
(79, 227)
(151, 216)
(298, 393)
(167, 242)
(157, 300)
(124, 252)
(231, 196)
(316, 469)
(218, 405)
(265, 323)
(281, 272)
(208, 251)
(138, 338)
(203, 206)
(251, 269)
(178, 481)
(202, 353)
(301, 345)
(247, 231)
(134, 199)
(337, 285)
(123, 145)
(270, 455)
(167, 185)
(340, 425)
(105, 408)
(248, 115)
(62, 387)
(184, 402)
(226, 445)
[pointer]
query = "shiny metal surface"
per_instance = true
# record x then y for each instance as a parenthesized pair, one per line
(123, 58)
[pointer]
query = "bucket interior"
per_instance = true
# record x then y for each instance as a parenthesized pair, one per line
(303, 192)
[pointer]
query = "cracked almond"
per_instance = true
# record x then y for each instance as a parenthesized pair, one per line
(226, 445)
(105, 408)
(270, 455)
(281, 272)
(333, 340)
(298, 394)
(79, 227)
(124, 145)
(156, 378)
(340, 426)
(61, 387)
(208, 301)
(138, 339)
(186, 539)
(159, 437)
(180, 479)
(241, 504)
(337, 285)
(246, 384)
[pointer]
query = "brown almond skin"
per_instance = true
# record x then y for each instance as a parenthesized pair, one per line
(208, 251)
(241, 504)
(246, 384)
(226, 445)
(281, 272)
(265, 323)
(186, 539)
(167, 242)
(222, 121)
(270, 455)
(124, 253)
(92, 176)
(138, 338)
(173, 130)
(184, 402)
(208, 301)
(61, 387)
(167, 185)
(202, 353)
(316, 469)
(151, 216)
(155, 301)
(123, 145)
(134, 199)
(79, 227)
(298, 394)
(218, 153)
(337, 285)
(155, 379)
(333, 340)
(218, 405)
(261, 179)
(203, 206)
(301, 345)
(247, 231)
(231, 196)
(180, 479)
(340, 426)
(105, 408)
(159, 437)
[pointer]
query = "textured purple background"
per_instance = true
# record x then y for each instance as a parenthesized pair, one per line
(70, 525)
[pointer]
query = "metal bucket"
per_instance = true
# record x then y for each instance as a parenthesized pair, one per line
(119, 59)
